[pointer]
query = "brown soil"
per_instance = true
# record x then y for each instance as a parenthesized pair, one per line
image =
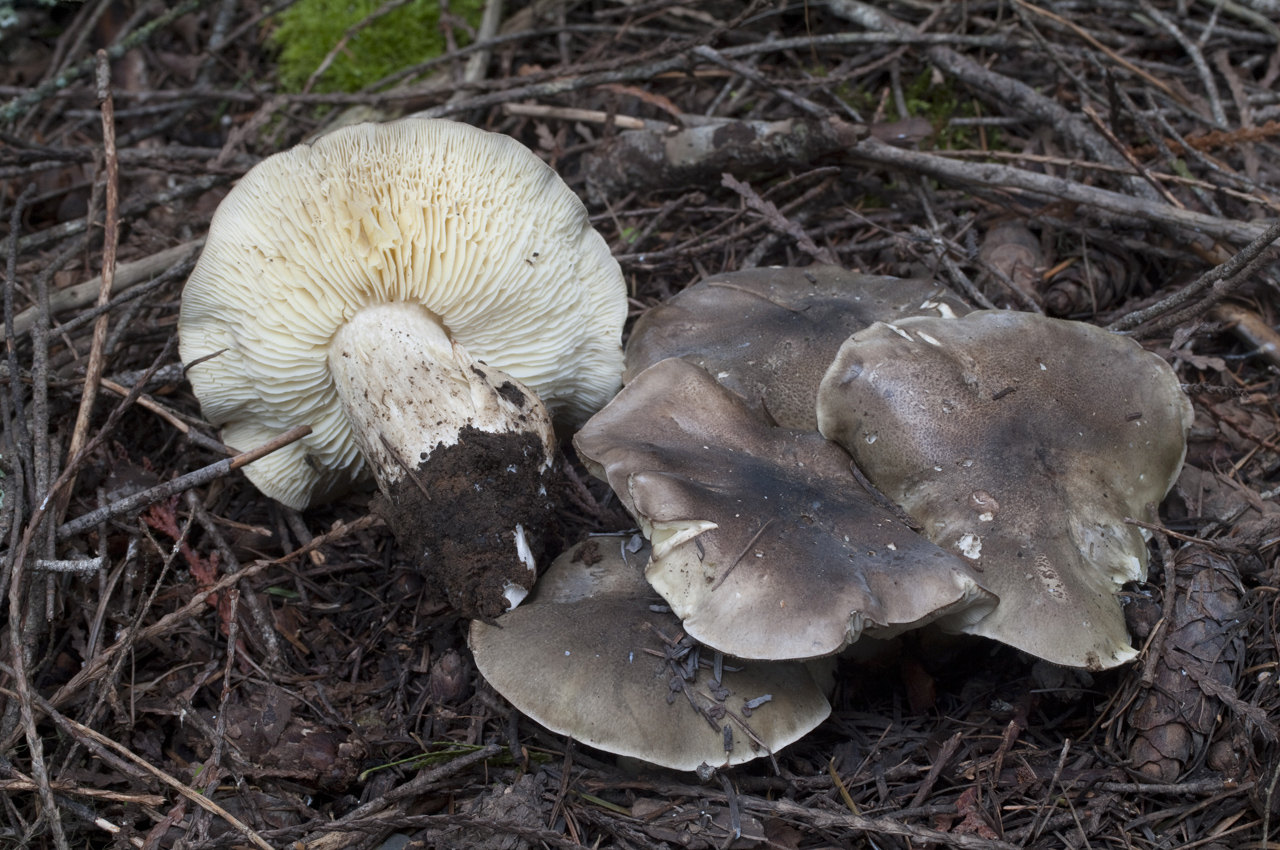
(455, 517)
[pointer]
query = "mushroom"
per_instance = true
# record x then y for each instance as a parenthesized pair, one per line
(764, 543)
(593, 655)
(415, 292)
(1022, 443)
(769, 334)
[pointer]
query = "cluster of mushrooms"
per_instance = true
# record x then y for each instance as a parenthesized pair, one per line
(811, 455)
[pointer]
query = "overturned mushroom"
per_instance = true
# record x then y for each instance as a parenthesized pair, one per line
(764, 544)
(409, 290)
(592, 654)
(770, 334)
(1022, 443)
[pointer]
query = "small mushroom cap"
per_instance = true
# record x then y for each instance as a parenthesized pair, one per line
(573, 657)
(770, 334)
(470, 225)
(1024, 443)
(764, 543)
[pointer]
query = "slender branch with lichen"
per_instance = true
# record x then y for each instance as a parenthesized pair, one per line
(19, 106)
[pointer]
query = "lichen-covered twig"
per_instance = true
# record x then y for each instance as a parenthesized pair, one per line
(1090, 198)
(1223, 278)
(19, 106)
(185, 482)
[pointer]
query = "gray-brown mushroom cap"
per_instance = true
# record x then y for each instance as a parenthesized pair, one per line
(769, 334)
(1023, 443)
(764, 543)
(579, 657)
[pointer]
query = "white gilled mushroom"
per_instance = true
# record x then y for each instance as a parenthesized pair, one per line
(764, 543)
(1022, 443)
(406, 289)
(770, 334)
(589, 656)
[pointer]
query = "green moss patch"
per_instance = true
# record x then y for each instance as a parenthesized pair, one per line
(309, 29)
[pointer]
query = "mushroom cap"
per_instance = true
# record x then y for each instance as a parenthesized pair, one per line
(765, 545)
(573, 657)
(1024, 443)
(469, 224)
(770, 334)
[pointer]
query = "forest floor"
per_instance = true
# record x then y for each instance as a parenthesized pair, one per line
(211, 669)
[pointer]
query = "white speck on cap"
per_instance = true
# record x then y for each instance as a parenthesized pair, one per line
(970, 545)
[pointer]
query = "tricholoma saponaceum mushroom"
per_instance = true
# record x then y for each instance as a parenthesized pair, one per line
(593, 656)
(764, 543)
(1022, 443)
(415, 292)
(769, 334)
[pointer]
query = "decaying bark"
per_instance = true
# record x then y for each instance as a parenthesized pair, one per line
(639, 160)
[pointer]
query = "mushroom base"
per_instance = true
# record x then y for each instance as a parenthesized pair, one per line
(486, 491)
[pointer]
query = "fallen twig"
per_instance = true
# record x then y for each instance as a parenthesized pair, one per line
(591, 116)
(992, 176)
(195, 605)
(129, 209)
(19, 105)
(777, 220)
(110, 241)
(131, 281)
(1014, 93)
(826, 819)
(1251, 329)
(98, 742)
(1222, 279)
(640, 160)
(178, 485)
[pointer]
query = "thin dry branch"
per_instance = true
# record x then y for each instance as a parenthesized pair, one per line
(100, 743)
(648, 64)
(1222, 280)
(19, 105)
(197, 604)
(1092, 200)
(181, 484)
(169, 263)
(110, 242)
(777, 220)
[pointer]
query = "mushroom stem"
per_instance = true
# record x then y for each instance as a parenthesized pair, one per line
(463, 453)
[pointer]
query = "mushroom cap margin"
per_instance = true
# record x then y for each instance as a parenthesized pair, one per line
(572, 658)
